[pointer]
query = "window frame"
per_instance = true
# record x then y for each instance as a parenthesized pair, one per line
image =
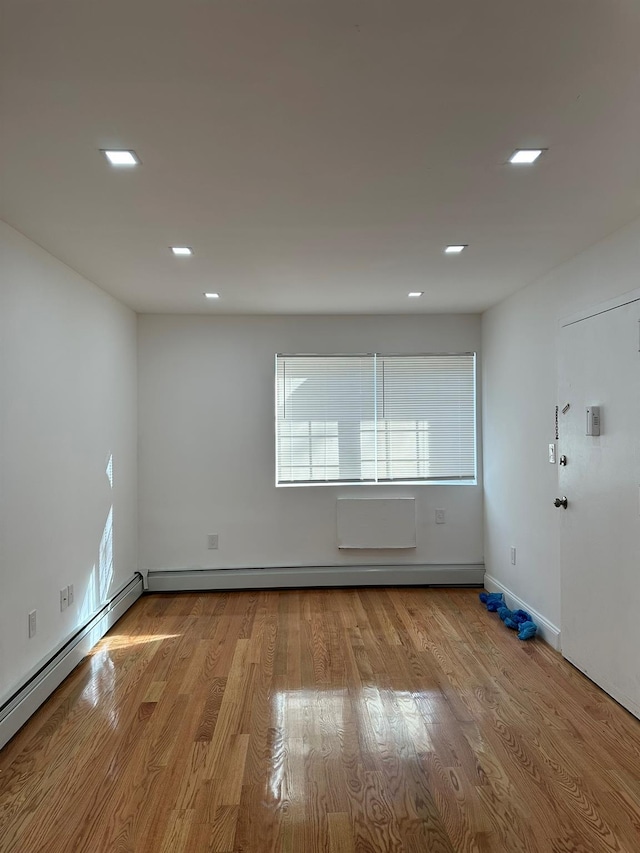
(377, 483)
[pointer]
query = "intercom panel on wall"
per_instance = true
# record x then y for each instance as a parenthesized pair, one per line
(593, 420)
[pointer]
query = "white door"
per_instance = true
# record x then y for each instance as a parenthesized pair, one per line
(600, 528)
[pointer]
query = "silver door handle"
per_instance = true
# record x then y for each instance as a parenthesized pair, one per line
(561, 502)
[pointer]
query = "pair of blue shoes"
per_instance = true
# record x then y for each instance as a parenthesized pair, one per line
(517, 620)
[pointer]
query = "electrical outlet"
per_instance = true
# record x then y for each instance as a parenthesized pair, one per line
(64, 598)
(70, 595)
(212, 542)
(513, 556)
(32, 623)
(440, 516)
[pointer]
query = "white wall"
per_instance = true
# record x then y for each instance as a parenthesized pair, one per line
(206, 416)
(520, 394)
(67, 404)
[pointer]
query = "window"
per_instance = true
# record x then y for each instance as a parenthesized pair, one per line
(375, 418)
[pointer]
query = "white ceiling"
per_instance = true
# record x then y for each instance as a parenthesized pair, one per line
(318, 154)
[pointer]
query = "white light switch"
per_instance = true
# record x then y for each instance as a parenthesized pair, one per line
(552, 454)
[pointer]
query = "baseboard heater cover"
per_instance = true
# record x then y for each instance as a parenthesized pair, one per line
(17, 709)
(299, 577)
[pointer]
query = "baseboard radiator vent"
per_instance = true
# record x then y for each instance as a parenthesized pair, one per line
(304, 577)
(16, 710)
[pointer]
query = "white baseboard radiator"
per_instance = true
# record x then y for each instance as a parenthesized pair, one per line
(51, 672)
(304, 577)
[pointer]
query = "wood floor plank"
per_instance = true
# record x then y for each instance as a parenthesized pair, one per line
(322, 721)
(341, 838)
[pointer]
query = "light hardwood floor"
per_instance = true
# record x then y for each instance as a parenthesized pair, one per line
(322, 721)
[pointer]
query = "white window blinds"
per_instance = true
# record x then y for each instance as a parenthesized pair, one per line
(375, 418)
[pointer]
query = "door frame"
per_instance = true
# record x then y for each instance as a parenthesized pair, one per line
(586, 313)
(598, 308)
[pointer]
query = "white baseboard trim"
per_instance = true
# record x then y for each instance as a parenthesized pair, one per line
(52, 671)
(297, 577)
(547, 631)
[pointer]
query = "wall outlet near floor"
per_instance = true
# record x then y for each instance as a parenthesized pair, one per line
(212, 542)
(440, 516)
(70, 595)
(64, 598)
(32, 623)
(513, 556)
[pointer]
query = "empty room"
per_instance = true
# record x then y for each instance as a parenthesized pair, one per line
(319, 462)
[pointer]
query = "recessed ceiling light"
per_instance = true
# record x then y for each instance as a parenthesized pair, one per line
(415, 293)
(212, 295)
(181, 250)
(455, 250)
(122, 158)
(526, 155)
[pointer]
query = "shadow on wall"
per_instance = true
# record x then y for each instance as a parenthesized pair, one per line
(101, 573)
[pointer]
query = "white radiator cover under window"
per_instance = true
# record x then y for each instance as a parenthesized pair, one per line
(377, 523)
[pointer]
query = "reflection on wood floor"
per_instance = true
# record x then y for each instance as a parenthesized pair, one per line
(341, 721)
